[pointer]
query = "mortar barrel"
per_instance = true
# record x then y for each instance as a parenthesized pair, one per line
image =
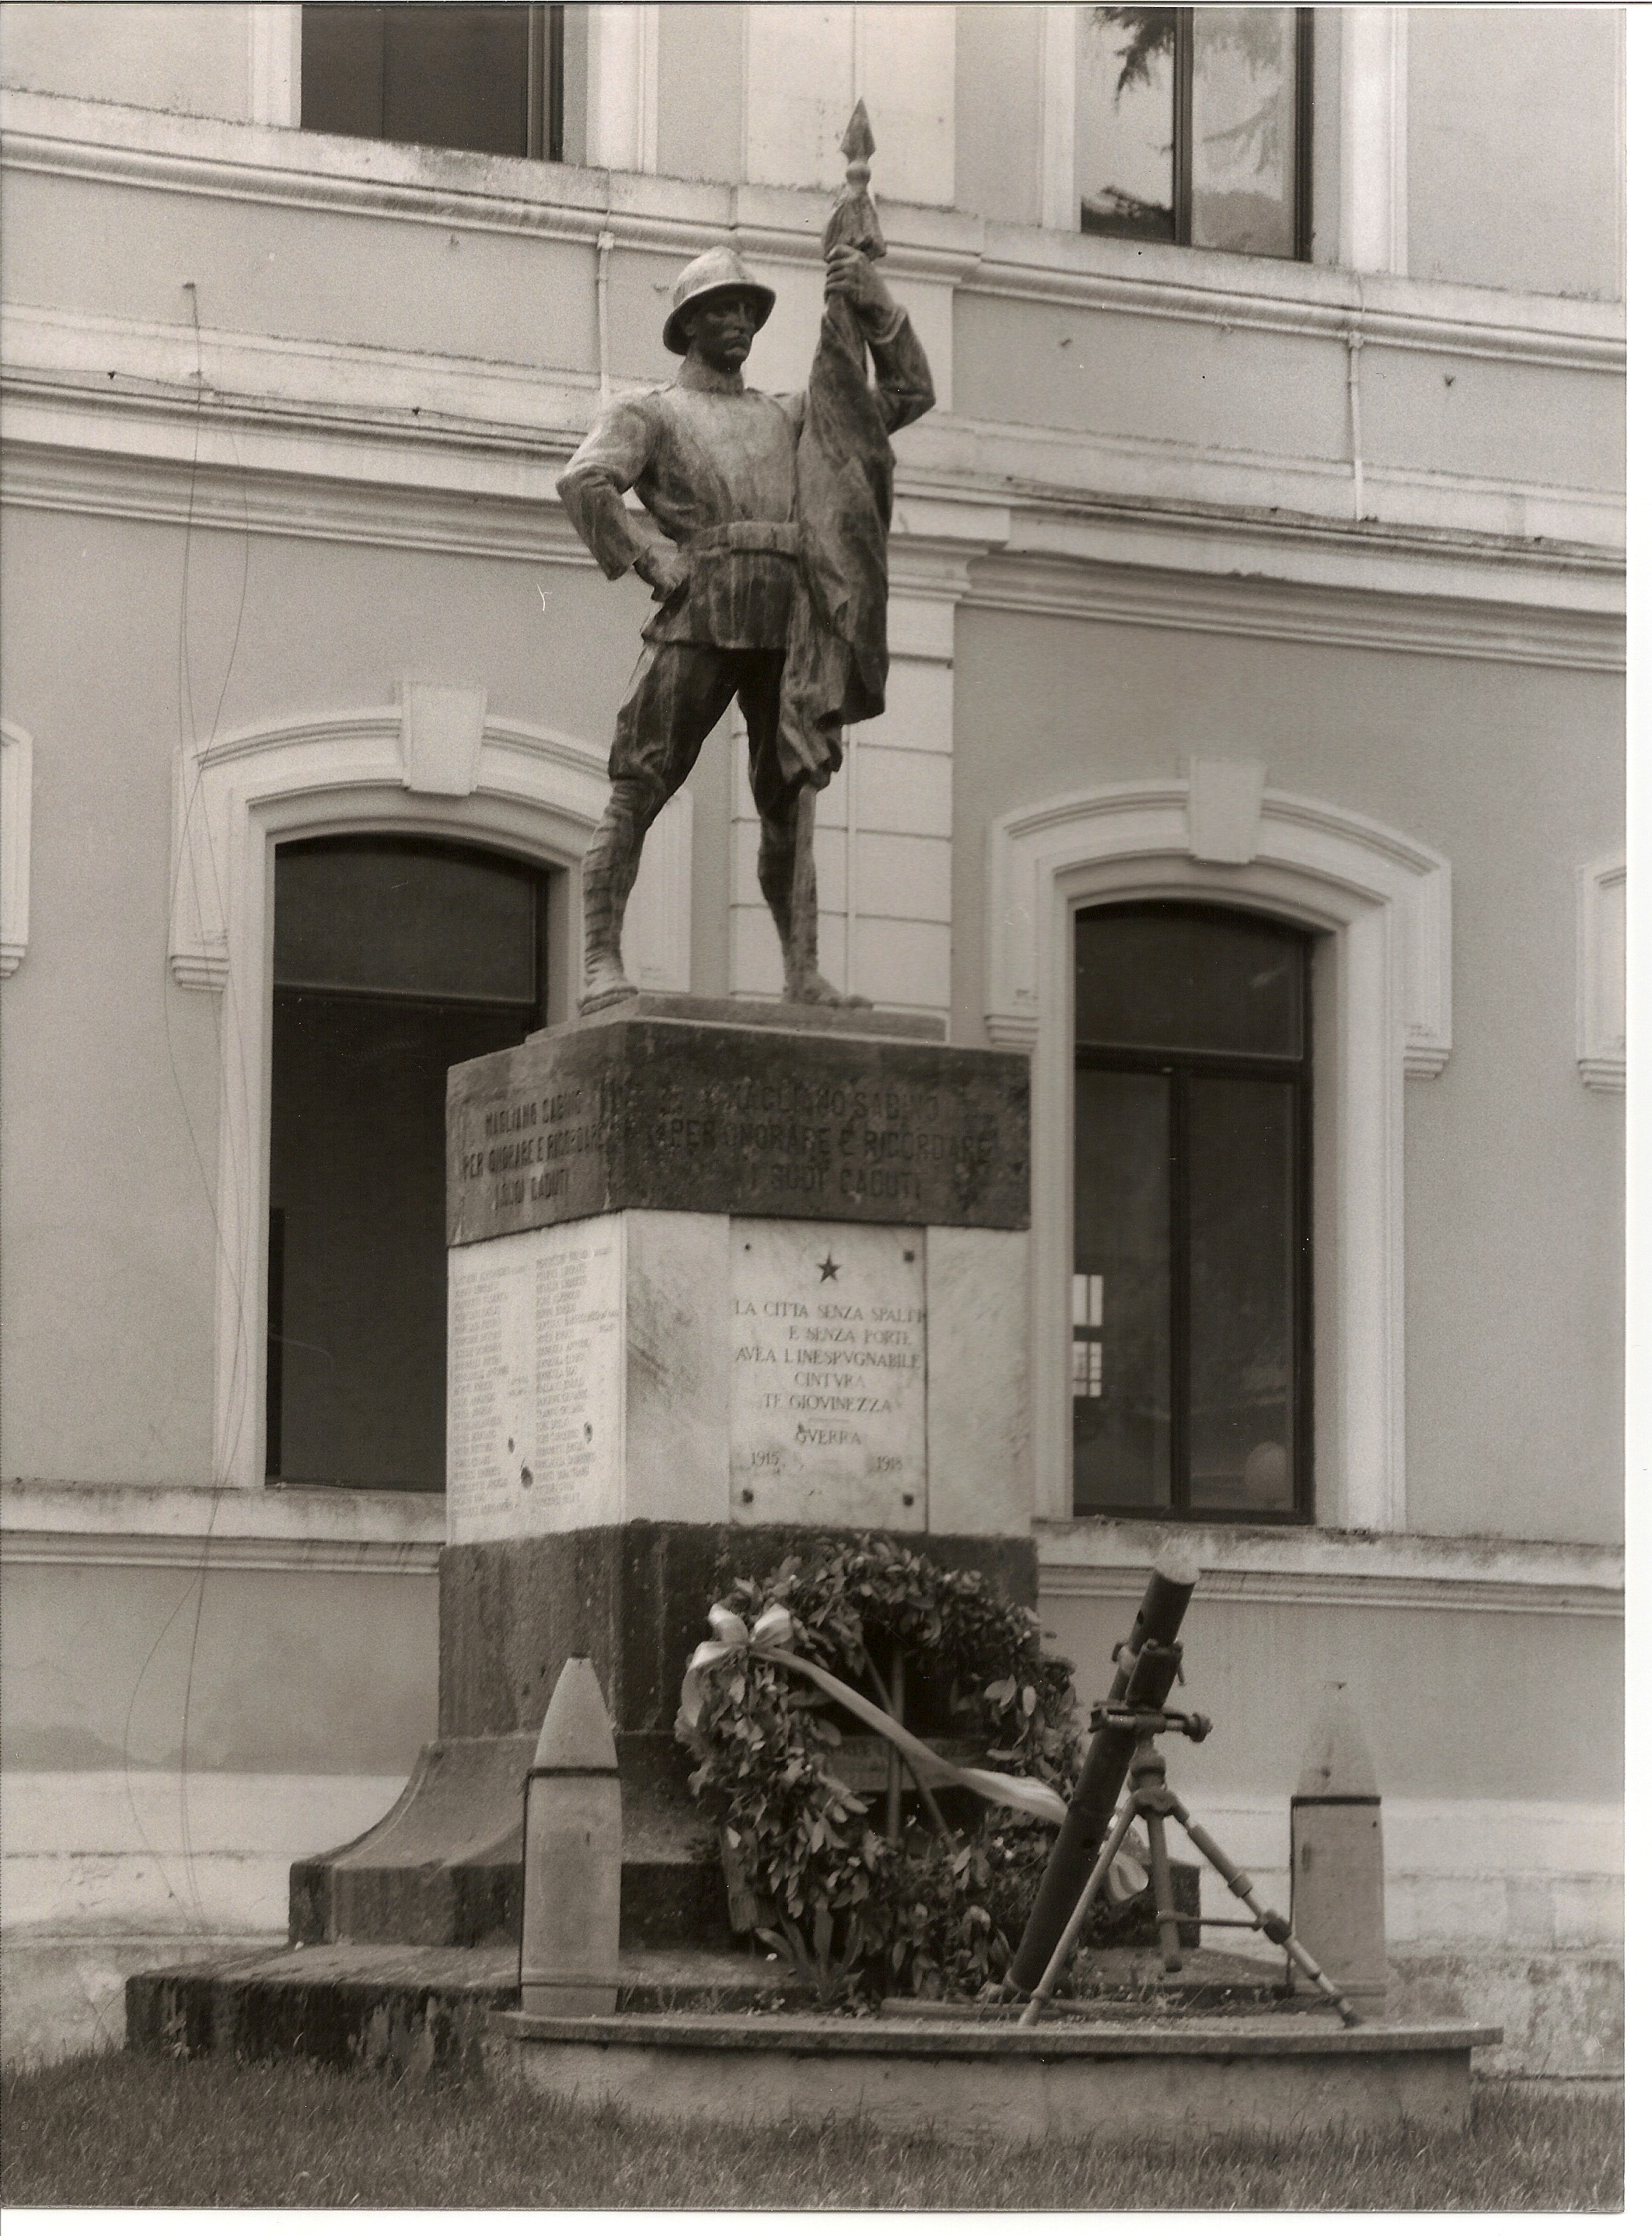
(1147, 1663)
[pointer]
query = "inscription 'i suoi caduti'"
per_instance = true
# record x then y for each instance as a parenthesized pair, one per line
(649, 1114)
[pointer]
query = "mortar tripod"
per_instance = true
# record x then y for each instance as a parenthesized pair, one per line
(1151, 1798)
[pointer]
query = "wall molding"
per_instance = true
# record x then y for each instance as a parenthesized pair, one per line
(1084, 1559)
(294, 1526)
(422, 450)
(254, 162)
(307, 1513)
(1298, 612)
(279, 1555)
(16, 833)
(1603, 960)
(1033, 848)
(1384, 901)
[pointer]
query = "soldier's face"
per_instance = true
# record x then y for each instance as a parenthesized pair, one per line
(720, 330)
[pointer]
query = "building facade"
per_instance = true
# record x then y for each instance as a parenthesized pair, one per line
(1253, 759)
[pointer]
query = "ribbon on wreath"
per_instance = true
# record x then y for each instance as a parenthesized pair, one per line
(769, 1637)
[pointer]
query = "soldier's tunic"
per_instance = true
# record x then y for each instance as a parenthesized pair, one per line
(714, 463)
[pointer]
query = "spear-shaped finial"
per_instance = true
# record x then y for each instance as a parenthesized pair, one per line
(854, 218)
(858, 145)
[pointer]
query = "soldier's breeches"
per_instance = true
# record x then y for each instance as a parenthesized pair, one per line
(678, 693)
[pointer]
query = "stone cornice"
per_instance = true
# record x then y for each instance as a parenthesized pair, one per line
(395, 449)
(206, 157)
(173, 1526)
(280, 1510)
(1482, 1575)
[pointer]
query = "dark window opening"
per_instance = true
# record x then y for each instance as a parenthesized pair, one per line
(1191, 1295)
(395, 958)
(487, 79)
(1194, 125)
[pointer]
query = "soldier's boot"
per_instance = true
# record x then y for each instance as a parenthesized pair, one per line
(609, 872)
(786, 874)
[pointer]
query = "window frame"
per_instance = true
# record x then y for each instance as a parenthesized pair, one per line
(1179, 1066)
(544, 121)
(1382, 1017)
(408, 842)
(530, 791)
(1181, 197)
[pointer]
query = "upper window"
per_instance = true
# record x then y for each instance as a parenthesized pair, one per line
(1190, 1362)
(395, 958)
(1192, 126)
(488, 79)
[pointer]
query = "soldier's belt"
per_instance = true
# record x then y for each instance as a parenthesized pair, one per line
(780, 537)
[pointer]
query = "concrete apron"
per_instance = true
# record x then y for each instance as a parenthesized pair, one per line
(998, 2082)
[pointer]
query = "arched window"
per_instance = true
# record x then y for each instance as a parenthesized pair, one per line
(395, 957)
(1192, 1204)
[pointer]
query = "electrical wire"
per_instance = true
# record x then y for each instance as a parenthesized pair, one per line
(190, 828)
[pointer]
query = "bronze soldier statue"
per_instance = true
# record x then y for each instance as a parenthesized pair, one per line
(778, 602)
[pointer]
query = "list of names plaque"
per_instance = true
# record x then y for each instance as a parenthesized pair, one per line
(535, 1332)
(828, 1382)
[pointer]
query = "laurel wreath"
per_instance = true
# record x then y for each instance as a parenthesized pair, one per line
(855, 1914)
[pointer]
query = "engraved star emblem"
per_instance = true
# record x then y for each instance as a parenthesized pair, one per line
(829, 1267)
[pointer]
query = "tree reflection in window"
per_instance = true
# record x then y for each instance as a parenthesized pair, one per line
(1193, 125)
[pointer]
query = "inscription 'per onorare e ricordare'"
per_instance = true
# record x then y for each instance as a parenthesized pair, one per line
(656, 1115)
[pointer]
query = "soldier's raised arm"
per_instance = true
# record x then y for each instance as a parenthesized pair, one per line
(905, 388)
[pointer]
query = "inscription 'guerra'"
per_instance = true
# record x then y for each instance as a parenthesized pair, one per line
(828, 1373)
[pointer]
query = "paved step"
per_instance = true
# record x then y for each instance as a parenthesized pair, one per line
(960, 2079)
(394, 2007)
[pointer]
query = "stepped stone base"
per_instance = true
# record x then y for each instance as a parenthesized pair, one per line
(443, 1869)
(420, 2010)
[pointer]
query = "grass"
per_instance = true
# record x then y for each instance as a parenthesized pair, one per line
(123, 2131)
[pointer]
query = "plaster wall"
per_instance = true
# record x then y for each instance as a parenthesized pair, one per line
(193, 60)
(216, 1669)
(1452, 1703)
(1513, 1168)
(1514, 147)
(1232, 388)
(702, 80)
(999, 111)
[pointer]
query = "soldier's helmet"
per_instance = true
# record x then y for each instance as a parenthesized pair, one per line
(711, 274)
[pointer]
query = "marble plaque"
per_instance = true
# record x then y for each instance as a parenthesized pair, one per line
(828, 1381)
(535, 1333)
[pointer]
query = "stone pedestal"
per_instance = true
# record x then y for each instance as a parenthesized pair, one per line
(723, 1278)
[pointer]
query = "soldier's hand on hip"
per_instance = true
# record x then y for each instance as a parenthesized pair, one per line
(665, 567)
(857, 278)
